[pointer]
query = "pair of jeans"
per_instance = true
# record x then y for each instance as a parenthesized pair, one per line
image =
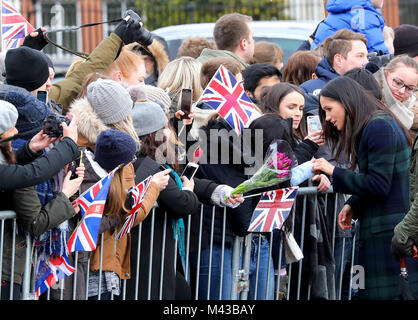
(215, 270)
(5, 291)
(264, 272)
(338, 252)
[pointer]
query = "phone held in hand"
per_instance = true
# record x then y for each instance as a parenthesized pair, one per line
(190, 170)
(42, 96)
(186, 102)
(313, 123)
(74, 165)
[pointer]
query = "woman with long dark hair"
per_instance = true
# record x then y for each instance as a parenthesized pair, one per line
(362, 128)
(288, 101)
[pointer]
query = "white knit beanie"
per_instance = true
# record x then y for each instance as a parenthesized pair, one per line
(8, 116)
(111, 102)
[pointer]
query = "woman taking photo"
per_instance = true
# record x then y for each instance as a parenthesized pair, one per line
(362, 128)
(289, 101)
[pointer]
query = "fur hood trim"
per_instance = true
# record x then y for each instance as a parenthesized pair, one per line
(88, 123)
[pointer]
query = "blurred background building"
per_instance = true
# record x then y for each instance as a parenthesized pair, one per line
(160, 13)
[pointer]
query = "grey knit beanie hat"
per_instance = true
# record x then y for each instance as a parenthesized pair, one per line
(8, 116)
(111, 102)
(148, 117)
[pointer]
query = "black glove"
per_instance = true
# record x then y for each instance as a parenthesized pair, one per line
(400, 250)
(132, 31)
(38, 43)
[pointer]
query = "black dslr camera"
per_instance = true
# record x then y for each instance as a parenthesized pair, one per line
(146, 36)
(380, 59)
(52, 125)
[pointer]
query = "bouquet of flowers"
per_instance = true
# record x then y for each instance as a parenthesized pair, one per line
(277, 166)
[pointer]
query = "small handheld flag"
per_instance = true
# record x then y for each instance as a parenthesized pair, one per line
(14, 27)
(273, 209)
(92, 203)
(227, 96)
(51, 271)
(138, 195)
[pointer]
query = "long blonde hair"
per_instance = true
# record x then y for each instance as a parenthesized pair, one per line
(181, 73)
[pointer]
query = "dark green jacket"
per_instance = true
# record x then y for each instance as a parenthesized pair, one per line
(380, 189)
(32, 218)
(208, 54)
(380, 201)
(408, 227)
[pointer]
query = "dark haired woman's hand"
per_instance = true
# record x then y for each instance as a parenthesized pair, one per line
(324, 183)
(345, 216)
(322, 165)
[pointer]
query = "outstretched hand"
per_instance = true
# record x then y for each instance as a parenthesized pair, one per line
(36, 40)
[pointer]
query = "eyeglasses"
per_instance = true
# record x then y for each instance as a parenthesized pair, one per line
(399, 84)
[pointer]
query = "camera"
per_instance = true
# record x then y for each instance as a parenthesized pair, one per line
(52, 125)
(380, 59)
(146, 36)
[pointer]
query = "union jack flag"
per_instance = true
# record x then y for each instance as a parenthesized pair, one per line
(14, 27)
(51, 271)
(92, 203)
(227, 96)
(138, 195)
(272, 210)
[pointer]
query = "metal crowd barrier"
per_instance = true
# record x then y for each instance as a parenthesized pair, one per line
(240, 265)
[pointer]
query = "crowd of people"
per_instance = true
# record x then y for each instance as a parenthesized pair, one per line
(122, 106)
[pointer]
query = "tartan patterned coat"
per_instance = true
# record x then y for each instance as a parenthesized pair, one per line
(380, 199)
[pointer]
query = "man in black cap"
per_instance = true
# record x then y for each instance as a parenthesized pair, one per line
(406, 40)
(26, 70)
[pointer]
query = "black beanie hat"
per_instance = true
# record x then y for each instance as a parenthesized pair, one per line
(26, 68)
(406, 40)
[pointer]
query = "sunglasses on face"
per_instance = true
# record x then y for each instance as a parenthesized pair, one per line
(399, 84)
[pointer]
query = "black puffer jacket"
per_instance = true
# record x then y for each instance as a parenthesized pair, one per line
(238, 219)
(15, 176)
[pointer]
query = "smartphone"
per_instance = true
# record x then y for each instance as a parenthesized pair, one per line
(73, 166)
(190, 170)
(186, 102)
(313, 123)
(42, 96)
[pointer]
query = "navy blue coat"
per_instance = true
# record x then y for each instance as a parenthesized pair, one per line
(313, 87)
(357, 16)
